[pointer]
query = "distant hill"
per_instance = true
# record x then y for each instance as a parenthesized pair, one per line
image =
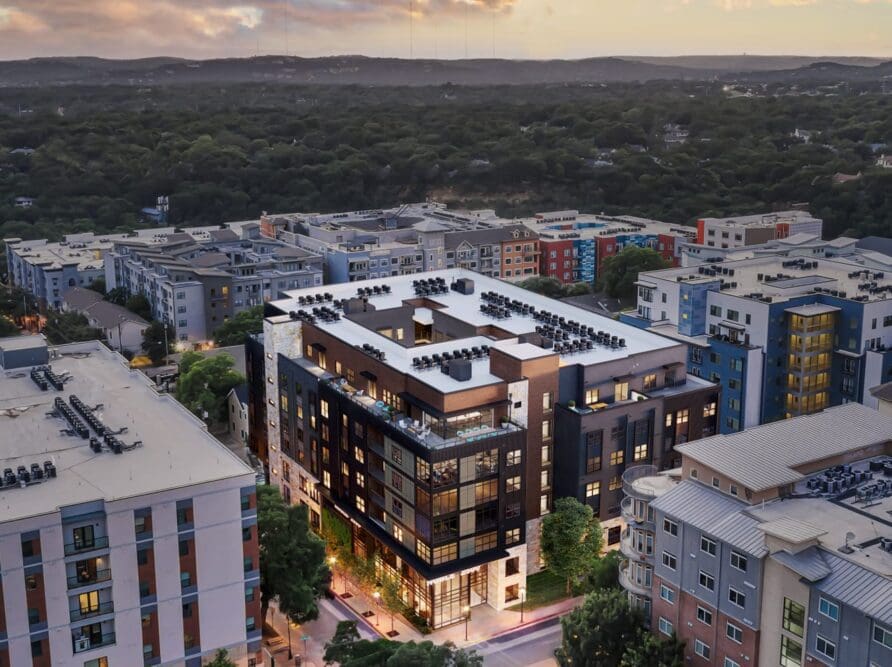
(360, 70)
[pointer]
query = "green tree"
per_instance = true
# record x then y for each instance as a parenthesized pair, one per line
(389, 589)
(428, 654)
(140, 305)
(61, 328)
(98, 285)
(7, 327)
(550, 287)
(571, 539)
(221, 659)
(117, 296)
(604, 572)
(204, 388)
(340, 649)
(156, 339)
(188, 360)
(236, 330)
(292, 557)
(651, 651)
(597, 633)
(619, 272)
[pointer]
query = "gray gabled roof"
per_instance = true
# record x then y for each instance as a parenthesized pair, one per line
(764, 457)
(866, 591)
(809, 563)
(714, 513)
(108, 315)
(78, 298)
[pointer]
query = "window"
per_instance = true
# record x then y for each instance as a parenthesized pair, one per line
(621, 391)
(704, 615)
(396, 506)
(323, 408)
(184, 544)
(512, 566)
(828, 609)
(545, 479)
(512, 484)
(396, 455)
(592, 489)
(732, 489)
(360, 503)
(709, 409)
(707, 545)
(185, 580)
(445, 553)
(617, 458)
(730, 663)
(669, 560)
(790, 653)
(547, 401)
(666, 627)
(423, 551)
(513, 458)
(738, 561)
(592, 396)
(667, 594)
(398, 532)
(546, 429)
(794, 617)
(825, 647)
(546, 454)
(669, 526)
(882, 636)
(36, 649)
(650, 381)
(707, 580)
(640, 452)
(543, 504)
(512, 536)
(734, 633)
(702, 649)
(736, 597)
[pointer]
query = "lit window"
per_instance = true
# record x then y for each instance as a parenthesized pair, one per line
(592, 396)
(617, 458)
(360, 503)
(592, 489)
(640, 452)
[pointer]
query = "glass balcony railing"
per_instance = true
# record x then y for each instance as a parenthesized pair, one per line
(88, 545)
(85, 579)
(80, 614)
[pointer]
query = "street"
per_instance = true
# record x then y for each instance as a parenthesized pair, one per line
(530, 647)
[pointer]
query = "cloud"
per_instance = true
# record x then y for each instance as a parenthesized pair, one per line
(13, 20)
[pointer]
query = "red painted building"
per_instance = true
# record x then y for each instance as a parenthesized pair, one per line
(557, 260)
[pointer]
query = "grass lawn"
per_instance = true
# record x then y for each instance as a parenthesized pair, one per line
(543, 589)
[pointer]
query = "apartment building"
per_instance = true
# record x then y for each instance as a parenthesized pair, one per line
(788, 336)
(770, 546)
(574, 246)
(806, 246)
(744, 230)
(413, 238)
(438, 416)
(129, 534)
(198, 279)
(48, 270)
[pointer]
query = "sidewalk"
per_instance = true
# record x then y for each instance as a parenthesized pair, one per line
(484, 624)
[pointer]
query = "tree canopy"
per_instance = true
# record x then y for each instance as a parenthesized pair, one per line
(156, 340)
(292, 558)
(237, 329)
(571, 539)
(348, 650)
(61, 328)
(204, 386)
(619, 272)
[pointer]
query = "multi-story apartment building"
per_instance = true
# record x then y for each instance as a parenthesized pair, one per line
(575, 245)
(198, 279)
(799, 245)
(438, 417)
(128, 535)
(380, 243)
(771, 546)
(788, 336)
(49, 269)
(745, 230)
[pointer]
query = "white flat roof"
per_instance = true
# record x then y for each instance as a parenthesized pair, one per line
(176, 451)
(466, 308)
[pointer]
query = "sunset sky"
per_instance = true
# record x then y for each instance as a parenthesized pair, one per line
(443, 28)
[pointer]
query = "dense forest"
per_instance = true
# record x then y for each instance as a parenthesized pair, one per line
(229, 153)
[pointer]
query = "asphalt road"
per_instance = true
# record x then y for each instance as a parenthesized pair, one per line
(530, 647)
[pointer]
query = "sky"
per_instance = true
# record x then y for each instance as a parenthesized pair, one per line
(537, 29)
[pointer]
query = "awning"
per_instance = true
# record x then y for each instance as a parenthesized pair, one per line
(622, 378)
(368, 375)
(319, 347)
(674, 364)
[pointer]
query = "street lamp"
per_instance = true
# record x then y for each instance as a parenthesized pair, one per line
(523, 597)
(288, 623)
(377, 597)
(332, 561)
(467, 611)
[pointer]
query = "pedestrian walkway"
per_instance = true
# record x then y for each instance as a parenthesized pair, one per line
(485, 623)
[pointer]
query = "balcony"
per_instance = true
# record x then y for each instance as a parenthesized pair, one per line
(90, 642)
(80, 614)
(82, 547)
(636, 482)
(629, 584)
(88, 579)
(628, 549)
